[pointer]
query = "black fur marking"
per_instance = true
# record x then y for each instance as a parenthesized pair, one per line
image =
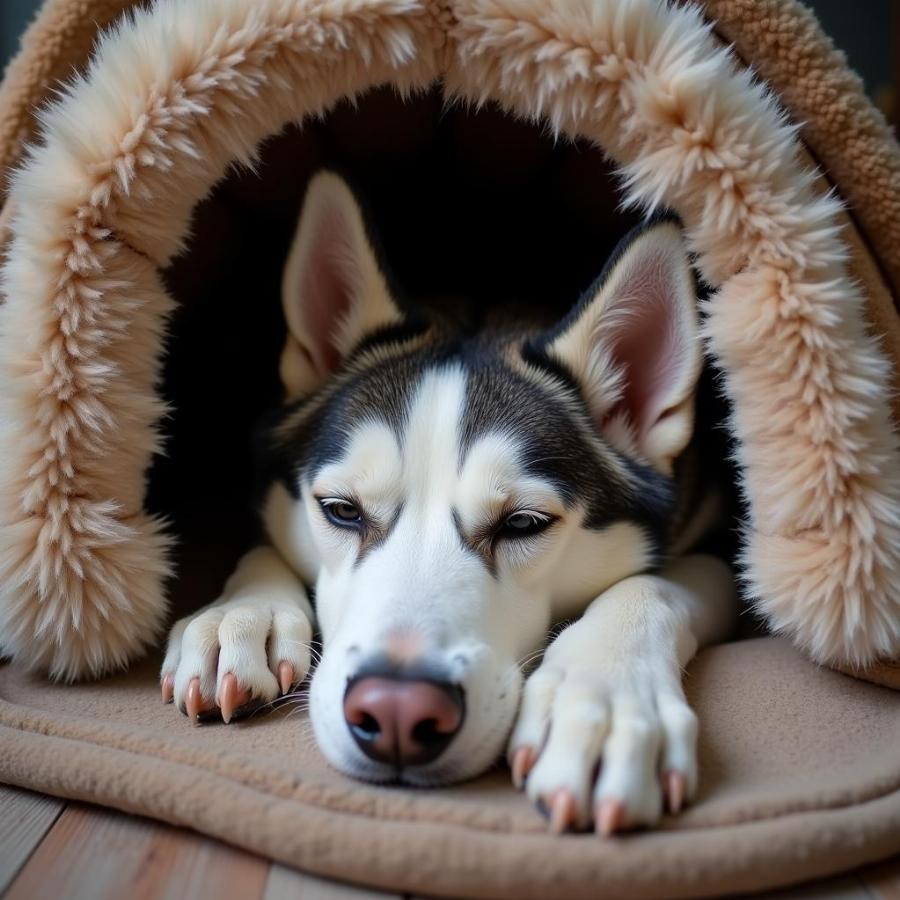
(378, 389)
(561, 448)
(377, 536)
(409, 329)
(479, 545)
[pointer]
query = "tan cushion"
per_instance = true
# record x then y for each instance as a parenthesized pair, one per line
(800, 778)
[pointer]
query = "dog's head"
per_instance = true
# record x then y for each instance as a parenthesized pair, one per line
(448, 497)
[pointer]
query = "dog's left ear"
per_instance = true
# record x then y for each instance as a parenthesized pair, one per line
(334, 292)
(633, 346)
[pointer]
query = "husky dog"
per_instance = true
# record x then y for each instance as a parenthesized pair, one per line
(447, 498)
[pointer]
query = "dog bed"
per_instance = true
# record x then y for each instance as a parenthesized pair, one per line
(130, 199)
(819, 795)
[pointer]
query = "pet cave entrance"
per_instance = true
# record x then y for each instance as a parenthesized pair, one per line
(471, 208)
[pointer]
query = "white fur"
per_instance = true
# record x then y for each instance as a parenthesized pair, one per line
(262, 618)
(610, 688)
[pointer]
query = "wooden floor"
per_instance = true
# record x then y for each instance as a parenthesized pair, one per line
(56, 850)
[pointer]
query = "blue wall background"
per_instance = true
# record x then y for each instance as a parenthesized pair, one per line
(864, 36)
(14, 17)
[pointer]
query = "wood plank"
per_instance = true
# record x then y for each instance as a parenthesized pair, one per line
(95, 854)
(25, 818)
(882, 880)
(288, 884)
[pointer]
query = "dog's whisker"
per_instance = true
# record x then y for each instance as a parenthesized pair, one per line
(312, 648)
(302, 693)
(295, 701)
(523, 663)
(525, 660)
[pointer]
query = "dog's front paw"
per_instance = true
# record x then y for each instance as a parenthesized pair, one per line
(234, 655)
(604, 746)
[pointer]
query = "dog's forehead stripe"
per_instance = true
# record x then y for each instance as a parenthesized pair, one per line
(430, 440)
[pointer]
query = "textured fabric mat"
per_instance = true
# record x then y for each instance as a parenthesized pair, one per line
(800, 778)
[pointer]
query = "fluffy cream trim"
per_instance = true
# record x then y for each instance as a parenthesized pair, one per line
(178, 92)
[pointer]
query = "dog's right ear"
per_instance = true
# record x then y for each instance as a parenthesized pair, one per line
(632, 345)
(333, 290)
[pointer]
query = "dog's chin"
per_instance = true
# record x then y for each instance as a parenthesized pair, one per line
(441, 773)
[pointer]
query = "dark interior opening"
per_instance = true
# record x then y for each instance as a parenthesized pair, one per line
(470, 206)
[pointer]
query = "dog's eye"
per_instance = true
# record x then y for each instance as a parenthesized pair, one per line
(341, 512)
(524, 523)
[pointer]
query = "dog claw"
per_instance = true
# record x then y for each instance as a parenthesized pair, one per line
(193, 702)
(609, 816)
(168, 688)
(562, 811)
(228, 696)
(674, 787)
(285, 676)
(232, 697)
(522, 763)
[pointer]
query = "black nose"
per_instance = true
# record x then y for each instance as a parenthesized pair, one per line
(403, 720)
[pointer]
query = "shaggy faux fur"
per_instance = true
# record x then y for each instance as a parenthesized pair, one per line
(177, 92)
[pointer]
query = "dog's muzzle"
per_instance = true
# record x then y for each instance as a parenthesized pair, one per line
(400, 719)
